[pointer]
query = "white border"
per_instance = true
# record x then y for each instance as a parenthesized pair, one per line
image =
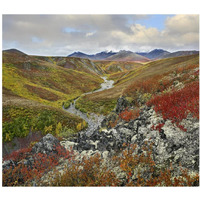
(98, 7)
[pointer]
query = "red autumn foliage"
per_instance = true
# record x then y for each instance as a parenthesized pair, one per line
(158, 127)
(18, 155)
(160, 82)
(91, 172)
(42, 163)
(149, 85)
(88, 172)
(130, 162)
(176, 105)
(128, 115)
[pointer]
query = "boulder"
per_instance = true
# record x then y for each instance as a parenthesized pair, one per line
(8, 164)
(47, 145)
(122, 104)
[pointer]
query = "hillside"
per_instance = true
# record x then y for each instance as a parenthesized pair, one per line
(43, 81)
(106, 100)
(78, 64)
(179, 53)
(150, 136)
(127, 56)
(36, 89)
(112, 67)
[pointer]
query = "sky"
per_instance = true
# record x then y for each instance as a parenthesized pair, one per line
(61, 35)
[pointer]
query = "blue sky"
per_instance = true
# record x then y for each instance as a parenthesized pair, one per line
(156, 21)
(60, 35)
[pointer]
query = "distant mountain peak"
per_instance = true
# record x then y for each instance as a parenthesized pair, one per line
(154, 54)
(16, 51)
(158, 50)
(125, 51)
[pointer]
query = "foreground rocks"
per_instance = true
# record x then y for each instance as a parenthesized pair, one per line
(169, 144)
(47, 145)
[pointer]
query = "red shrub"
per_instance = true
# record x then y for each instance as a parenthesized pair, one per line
(18, 155)
(128, 115)
(158, 127)
(177, 105)
(42, 163)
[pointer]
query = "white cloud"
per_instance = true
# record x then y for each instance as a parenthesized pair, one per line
(96, 33)
(181, 24)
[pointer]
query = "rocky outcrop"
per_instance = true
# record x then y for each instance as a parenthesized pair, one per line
(169, 143)
(122, 104)
(8, 164)
(46, 145)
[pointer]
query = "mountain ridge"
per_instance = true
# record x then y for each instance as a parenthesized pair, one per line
(127, 56)
(98, 56)
(154, 53)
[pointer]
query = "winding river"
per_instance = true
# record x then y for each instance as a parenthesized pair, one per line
(93, 120)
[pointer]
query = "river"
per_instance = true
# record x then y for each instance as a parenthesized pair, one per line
(93, 122)
(93, 119)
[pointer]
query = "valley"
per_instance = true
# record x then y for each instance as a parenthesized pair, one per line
(92, 119)
(101, 104)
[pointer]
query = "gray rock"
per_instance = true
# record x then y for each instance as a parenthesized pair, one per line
(46, 145)
(122, 104)
(68, 144)
(8, 164)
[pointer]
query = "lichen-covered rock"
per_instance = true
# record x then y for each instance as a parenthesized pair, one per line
(122, 104)
(46, 145)
(68, 145)
(169, 144)
(8, 164)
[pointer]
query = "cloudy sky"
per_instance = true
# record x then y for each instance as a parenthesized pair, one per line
(63, 34)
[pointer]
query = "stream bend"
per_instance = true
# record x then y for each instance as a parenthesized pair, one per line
(93, 120)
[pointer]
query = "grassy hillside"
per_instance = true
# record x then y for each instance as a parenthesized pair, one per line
(40, 84)
(33, 94)
(126, 83)
(78, 64)
(112, 67)
(44, 82)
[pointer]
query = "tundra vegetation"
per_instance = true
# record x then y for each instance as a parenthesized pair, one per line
(35, 89)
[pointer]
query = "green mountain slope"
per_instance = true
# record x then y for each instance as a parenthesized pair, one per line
(104, 101)
(33, 94)
(111, 67)
(79, 64)
(44, 82)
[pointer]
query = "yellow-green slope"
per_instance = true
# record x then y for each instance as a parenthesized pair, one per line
(104, 100)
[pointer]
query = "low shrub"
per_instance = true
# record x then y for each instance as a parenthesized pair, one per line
(128, 115)
(89, 172)
(23, 174)
(176, 105)
(18, 121)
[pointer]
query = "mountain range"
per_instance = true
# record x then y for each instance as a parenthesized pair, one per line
(98, 56)
(124, 55)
